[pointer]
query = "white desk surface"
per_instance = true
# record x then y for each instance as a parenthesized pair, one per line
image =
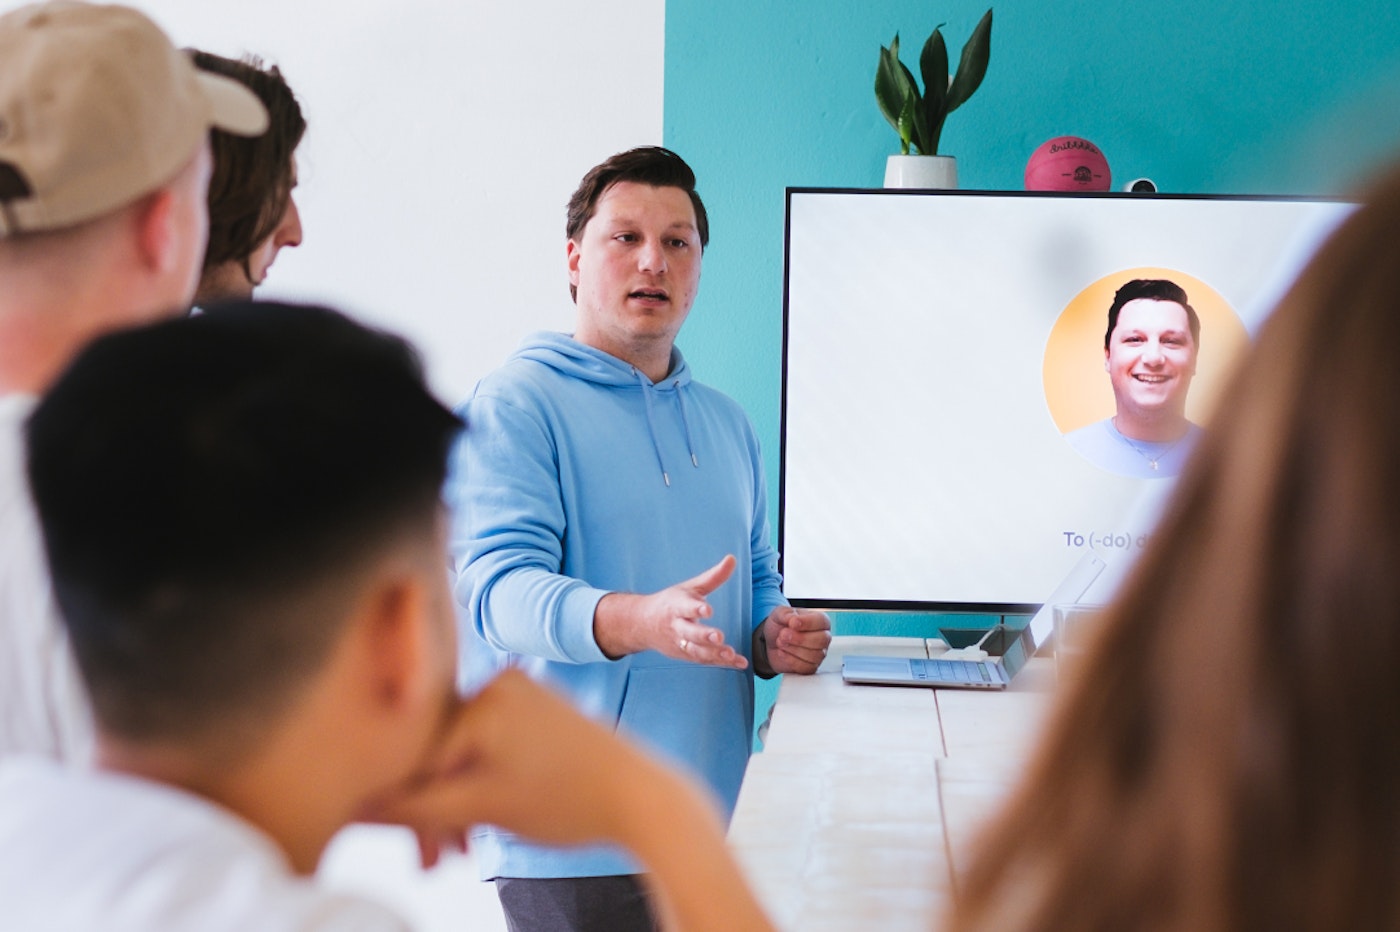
(857, 811)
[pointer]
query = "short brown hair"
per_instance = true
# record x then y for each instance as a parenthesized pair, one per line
(650, 165)
(1153, 289)
(252, 177)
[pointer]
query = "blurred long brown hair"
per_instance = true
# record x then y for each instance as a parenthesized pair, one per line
(1228, 757)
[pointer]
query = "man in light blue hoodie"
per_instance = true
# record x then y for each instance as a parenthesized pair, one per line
(611, 535)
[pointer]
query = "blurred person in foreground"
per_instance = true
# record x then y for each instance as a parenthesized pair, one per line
(104, 167)
(269, 642)
(1224, 758)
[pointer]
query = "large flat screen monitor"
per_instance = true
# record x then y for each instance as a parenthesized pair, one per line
(950, 412)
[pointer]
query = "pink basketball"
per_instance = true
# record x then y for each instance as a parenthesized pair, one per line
(1067, 163)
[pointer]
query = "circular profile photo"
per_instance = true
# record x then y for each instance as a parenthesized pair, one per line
(1134, 365)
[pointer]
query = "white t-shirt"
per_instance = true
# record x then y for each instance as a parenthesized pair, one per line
(43, 708)
(85, 849)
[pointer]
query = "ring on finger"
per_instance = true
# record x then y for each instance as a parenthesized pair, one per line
(685, 645)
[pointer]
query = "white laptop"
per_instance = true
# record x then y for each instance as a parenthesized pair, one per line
(991, 673)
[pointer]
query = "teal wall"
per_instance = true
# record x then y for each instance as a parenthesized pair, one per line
(1288, 97)
(1284, 97)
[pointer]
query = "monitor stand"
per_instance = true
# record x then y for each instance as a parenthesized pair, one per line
(996, 640)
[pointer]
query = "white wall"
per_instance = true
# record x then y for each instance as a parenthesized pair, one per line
(444, 140)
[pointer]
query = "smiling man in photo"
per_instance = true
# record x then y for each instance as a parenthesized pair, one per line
(1150, 350)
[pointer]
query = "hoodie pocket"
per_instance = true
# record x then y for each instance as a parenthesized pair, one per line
(700, 718)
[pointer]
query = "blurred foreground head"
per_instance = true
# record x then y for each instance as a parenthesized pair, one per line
(212, 490)
(1226, 756)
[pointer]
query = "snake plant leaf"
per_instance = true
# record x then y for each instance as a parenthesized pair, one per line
(906, 81)
(935, 133)
(933, 67)
(972, 65)
(923, 139)
(918, 116)
(906, 122)
(891, 87)
(909, 121)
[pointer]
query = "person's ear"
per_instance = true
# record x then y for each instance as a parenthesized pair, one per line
(398, 641)
(157, 236)
(1105, 360)
(572, 252)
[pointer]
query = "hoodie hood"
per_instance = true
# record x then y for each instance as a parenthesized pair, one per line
(568, 356)
(563, 353)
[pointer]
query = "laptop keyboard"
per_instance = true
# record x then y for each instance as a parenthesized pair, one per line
(951, 671)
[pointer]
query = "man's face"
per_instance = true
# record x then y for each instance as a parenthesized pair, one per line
(636, 267)
(233, 280)
(1151, 357)
(286, 234)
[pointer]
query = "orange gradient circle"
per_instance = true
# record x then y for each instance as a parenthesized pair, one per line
(1077, 389)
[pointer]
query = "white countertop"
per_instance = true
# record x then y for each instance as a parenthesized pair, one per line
(855, 814)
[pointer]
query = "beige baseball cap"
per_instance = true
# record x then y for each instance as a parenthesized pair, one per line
(97, 108)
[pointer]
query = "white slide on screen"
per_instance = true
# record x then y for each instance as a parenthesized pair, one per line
(922, 463)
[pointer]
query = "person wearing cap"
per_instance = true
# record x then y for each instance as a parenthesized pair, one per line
(104, 165)
(252, 213)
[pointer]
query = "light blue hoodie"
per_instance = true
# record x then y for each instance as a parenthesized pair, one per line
(576, 477)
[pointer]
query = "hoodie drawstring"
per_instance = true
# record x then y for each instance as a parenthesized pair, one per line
(685, 424)
(647, 389)
(651, 426)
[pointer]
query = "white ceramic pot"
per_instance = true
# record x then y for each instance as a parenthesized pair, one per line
(921, 171)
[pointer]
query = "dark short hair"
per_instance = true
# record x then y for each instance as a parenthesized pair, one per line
(253, 176)
(198, 480)
(650, 165)
(1153, 289)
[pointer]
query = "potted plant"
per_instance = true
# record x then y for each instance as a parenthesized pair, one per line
(919, 117)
